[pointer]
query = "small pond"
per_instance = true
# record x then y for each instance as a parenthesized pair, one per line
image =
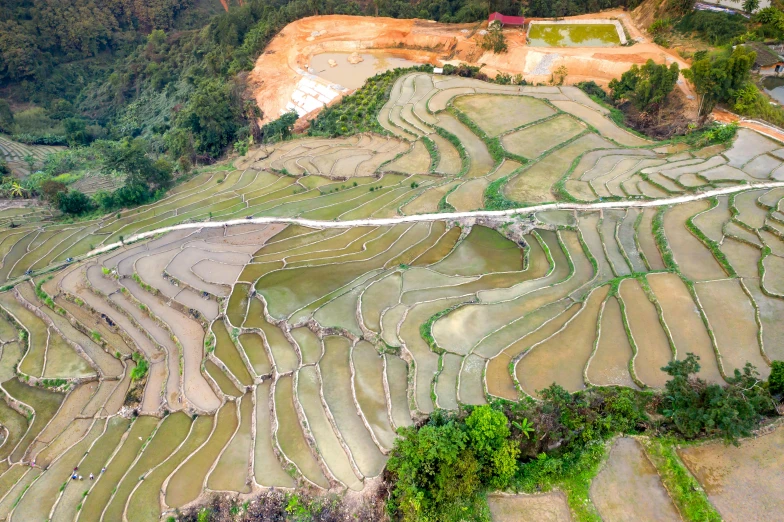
(573, 35)
(775, 87)
(353, 75)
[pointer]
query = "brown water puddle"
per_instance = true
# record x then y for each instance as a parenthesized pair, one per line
(353, 75)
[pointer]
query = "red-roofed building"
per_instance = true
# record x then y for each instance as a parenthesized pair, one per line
(506, 20)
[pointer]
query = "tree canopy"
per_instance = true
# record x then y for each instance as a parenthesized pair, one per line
(717, 77)
(646, 87)
(440, 467)
(697, 408)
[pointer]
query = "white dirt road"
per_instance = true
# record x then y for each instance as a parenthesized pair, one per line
(445, 215)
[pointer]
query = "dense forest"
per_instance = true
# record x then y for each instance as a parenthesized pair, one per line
(165, 76)
(131, 68)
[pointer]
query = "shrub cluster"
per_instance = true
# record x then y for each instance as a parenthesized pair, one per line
(282, 506)
(359, 111)
(439, 471)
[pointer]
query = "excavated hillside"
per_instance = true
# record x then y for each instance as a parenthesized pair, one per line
(284, 64)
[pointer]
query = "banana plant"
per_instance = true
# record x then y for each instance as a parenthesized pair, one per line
(525, 427)
(16, 190)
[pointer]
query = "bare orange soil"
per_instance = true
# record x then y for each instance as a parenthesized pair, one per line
(284, 62)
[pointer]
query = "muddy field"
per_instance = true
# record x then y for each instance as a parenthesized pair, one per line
(744, 483)
(551, 507)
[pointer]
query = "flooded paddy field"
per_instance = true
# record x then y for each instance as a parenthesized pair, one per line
(543, 34)
(628, 486)
(744, 482)
(288, 354)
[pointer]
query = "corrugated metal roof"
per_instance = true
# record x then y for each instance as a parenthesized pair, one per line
(506, 19)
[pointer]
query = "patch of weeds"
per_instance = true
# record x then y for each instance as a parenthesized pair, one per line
(683, 488)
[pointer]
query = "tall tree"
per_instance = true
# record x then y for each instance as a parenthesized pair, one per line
(647, 86)
(751, 5)
(719, 76)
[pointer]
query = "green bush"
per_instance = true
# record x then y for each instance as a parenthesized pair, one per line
(696, 408)
(646, 87)
(494, 39)
(718, 76)
(488, 432)
(659, 26)
(776, 378)
(715, 28)
(749, 101)
(140, 371)
(440, 469)
(75, 203)
(591, 88)
(278, 130)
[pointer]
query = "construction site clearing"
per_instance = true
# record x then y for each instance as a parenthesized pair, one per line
(285, 79)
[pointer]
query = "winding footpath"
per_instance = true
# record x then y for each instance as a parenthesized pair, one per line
(313, 223)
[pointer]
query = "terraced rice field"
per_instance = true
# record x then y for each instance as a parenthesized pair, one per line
(288, 352)
(14, 153)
